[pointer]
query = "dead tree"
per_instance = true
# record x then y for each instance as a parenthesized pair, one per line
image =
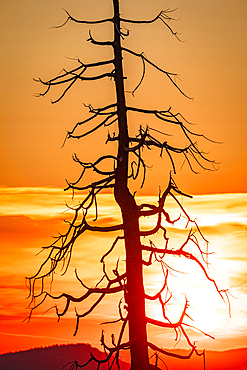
(127, 164)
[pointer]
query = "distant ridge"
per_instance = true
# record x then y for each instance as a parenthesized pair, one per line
(55, 357)
(235, 359)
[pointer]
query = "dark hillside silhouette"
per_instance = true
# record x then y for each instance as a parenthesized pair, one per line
(235, 359)
(55, 357)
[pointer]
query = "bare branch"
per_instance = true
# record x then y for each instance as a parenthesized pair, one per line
(169, 324)
(73, 75)
(163, 16)
(170, 354)
(168, 74)
(70, 18)
(101, 43)
(96, 112)
(112, 247)
(90, 165)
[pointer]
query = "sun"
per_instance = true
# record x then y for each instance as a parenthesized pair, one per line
(203, 311)
(205, 317)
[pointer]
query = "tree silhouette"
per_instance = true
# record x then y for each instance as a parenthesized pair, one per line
(128, 163)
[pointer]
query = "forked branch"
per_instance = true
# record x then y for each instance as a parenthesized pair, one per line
(163, 16)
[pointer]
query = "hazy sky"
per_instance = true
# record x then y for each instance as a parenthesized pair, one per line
(211, 65)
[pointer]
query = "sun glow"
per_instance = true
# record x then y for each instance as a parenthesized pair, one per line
(205, 317)
(202, 312)
(202, 317)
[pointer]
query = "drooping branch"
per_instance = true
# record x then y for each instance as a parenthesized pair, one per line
(158, 294)
(160, 210)
(112, 247)
(142, 78)
(180, 252)
(103, 123)
(189, 150)
(169, 117)
(93, 166)
(169, 324)
(103, 291)
(105, 183)
(70, 18)
(176, 355)
(78, 226)
(170, 75)
(73, 75)
(163, 16)
(104, 111)
(100, 43)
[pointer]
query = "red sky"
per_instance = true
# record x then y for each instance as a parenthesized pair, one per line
(30, 216)
(211, 64)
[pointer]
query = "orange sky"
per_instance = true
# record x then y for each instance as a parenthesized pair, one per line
(211, 64)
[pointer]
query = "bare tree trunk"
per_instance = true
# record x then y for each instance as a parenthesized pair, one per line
(135, 289)
(131, 281)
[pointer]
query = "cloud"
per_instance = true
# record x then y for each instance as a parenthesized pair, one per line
(17, 224)
(224, 227)
(39, 336)
(239, 281)
(12, 317)
(13, 287)
(21, 229)
(34, 202)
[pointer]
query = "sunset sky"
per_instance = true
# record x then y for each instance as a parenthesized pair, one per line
(212, 67)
